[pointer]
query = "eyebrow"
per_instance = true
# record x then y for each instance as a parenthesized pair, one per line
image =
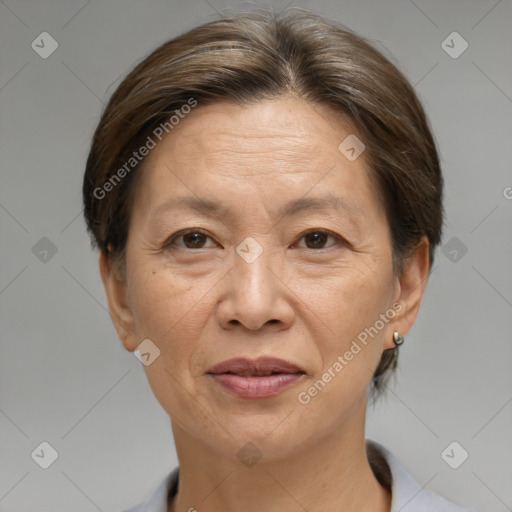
(208, 207)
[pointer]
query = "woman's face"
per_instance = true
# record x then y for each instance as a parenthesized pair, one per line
(266, 265)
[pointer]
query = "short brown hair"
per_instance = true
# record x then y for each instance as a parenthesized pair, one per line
(257, 55)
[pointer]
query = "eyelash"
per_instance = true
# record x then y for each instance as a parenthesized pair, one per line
(168, 245)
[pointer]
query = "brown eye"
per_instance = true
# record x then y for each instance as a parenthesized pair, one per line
(194, 239)
(191, 239)
(318, 238)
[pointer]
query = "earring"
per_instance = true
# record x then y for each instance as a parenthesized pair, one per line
(398, 339)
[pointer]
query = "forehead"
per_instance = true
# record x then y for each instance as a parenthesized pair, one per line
(261, 128)
(264, 149)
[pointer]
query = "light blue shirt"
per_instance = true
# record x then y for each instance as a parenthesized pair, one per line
(407, 493)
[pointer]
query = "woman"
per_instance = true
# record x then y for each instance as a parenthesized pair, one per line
(266, 196)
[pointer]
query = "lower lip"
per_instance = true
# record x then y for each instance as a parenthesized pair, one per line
(256, 387)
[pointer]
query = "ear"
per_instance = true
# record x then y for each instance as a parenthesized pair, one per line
(116, 291)
(412, 283)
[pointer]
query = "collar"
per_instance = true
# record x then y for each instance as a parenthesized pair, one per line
(407, 493)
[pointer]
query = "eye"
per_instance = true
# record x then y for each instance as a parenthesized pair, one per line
(192, 239)
(196, 239)
(317, 238)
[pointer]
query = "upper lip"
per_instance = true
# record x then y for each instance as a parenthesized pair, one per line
(260, 366)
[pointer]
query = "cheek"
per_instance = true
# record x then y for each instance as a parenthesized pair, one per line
(355, 309)
(169, 310)
(160, 300)
(348, 300)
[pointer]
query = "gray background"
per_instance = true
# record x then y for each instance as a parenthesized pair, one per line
(64, 376)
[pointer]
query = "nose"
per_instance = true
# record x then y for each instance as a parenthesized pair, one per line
(256, 294)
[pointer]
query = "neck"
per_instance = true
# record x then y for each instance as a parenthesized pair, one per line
(332, 473)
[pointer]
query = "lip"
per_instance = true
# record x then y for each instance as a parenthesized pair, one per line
(256, 378)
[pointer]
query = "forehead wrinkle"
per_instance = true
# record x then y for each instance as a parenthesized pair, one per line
(208, 207)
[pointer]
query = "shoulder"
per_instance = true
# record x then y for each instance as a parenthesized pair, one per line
(407, 493)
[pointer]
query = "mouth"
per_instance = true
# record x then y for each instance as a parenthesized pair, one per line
(256, 378)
